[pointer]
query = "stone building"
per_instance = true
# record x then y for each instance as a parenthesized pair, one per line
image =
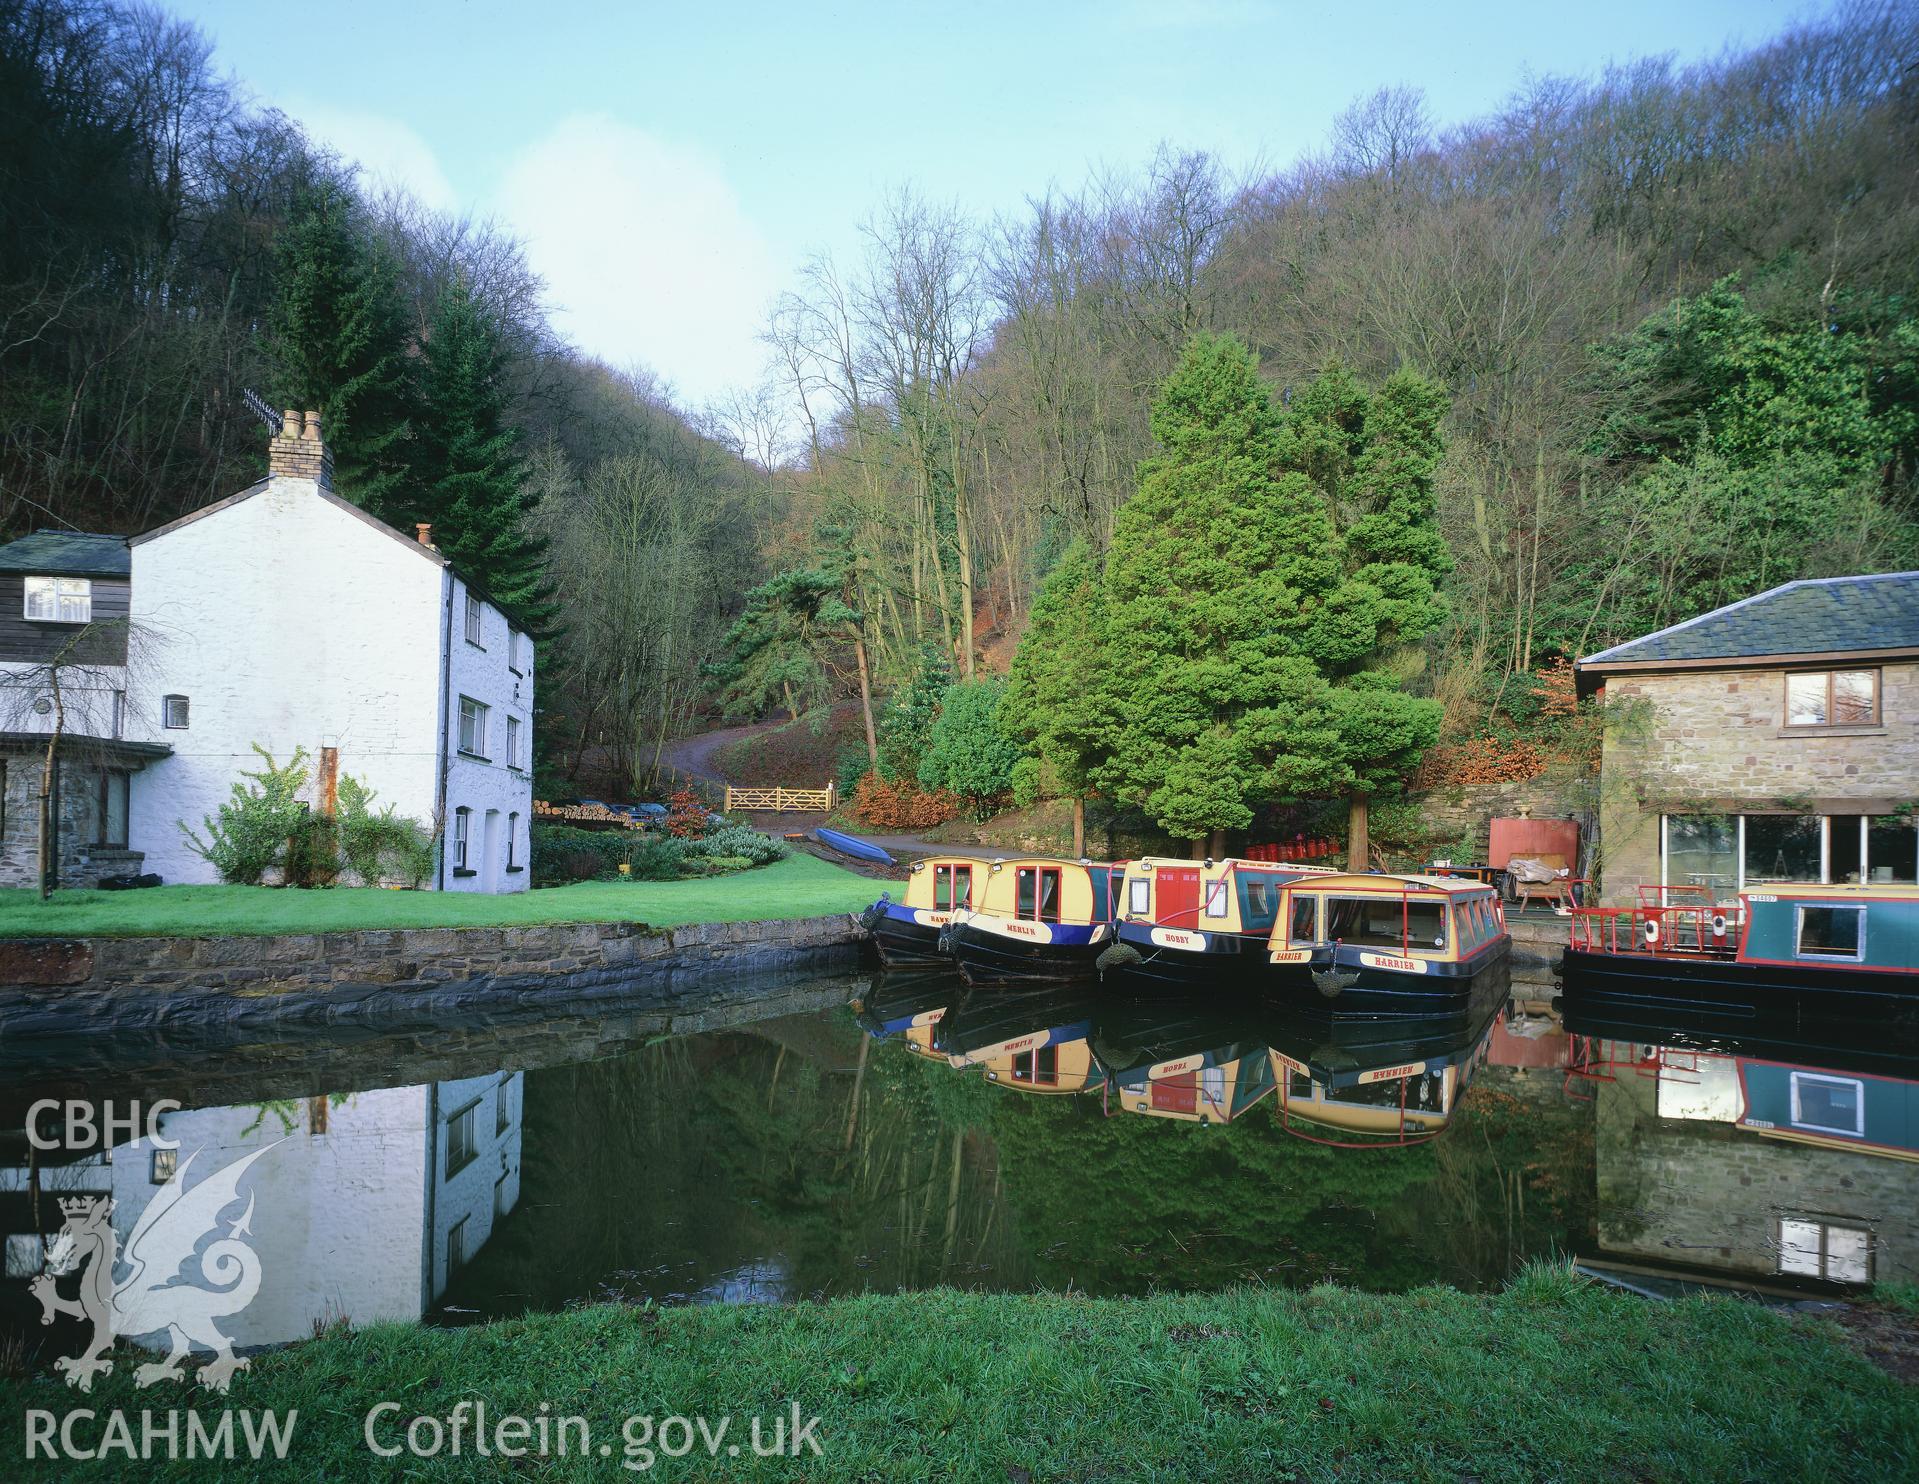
(1773, 740)
(283, 617)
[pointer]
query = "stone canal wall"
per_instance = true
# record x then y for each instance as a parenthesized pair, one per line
(327, 975)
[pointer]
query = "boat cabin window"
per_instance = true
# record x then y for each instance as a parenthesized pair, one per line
(1040, 1067)
(1305, 923)
(1253, 909)
(952, 887)
(1466, 925)
(1216, 898)
(1829, 1105)
(1832, 932)
(1038, 892)
(1139, 892)
(1386, 922)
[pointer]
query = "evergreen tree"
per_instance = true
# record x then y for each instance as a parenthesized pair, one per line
(777, 648)
(1263, 591)
(340, 343)
(473, 486)
(1052, 701)
(967, 751)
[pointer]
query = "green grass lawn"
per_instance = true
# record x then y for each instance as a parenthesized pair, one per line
(1549, 1380)
(799, 886)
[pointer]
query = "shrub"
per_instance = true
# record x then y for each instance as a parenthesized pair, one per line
(253, 827)
(755, 847)
(562, 853)
(375, 846)
(902, 805)
(907, 721)
(313, 852)
(967, 753)
(686, 815)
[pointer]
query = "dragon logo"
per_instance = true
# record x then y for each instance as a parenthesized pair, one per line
(155, 1295)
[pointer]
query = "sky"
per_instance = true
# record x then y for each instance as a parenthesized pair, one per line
(671, 166)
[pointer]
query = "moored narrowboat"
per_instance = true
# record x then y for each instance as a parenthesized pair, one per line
(907, 932)
(1186, 924)
(900, 1005)
(1409, 945)
(1848, 948)
(1035, 920)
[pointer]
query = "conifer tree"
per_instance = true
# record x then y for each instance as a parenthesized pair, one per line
(340, 345)
(473, 485)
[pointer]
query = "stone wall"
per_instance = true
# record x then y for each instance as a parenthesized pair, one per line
(82, 863)
(60, 985)
(1465, 812)
(1716, 742)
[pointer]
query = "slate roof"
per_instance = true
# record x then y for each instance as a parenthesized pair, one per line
(68, 554)
(1819, 615)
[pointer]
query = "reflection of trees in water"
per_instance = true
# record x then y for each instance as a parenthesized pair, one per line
(660, 1173)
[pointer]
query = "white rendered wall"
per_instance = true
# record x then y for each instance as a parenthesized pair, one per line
(484, 783)
(289, 622)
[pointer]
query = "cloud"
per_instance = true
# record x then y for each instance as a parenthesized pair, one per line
(645, 250)
(390, 153)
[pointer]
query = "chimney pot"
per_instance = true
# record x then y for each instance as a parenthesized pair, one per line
(425, 533)
(312, 427)
(290, 424)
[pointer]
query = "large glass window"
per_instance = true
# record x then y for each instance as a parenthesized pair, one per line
(1814, 1249)
(1386, 922)
(1702, 850)
(1892, 849)
(1783, 847)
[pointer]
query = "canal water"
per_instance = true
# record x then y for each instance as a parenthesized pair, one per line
(801, 1138)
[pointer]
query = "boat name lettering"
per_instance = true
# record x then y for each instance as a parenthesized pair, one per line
(1392, 1074)
(1388, 961)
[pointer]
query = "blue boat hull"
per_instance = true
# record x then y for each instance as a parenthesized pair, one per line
(854, 846)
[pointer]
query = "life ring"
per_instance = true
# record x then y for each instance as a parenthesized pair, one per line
(1652, 932)
(1719, 924)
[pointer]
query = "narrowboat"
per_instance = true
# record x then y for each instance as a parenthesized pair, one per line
(1037, 1042)
(1186, 924)
(1852, 948)
(1188, 1060)
(1394, 945)
(1398, 1089)
(907, 932)
(1035, 920)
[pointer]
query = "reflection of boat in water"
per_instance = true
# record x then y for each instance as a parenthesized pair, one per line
(896, 1004)
(1179, 1058)
(1392, 944)
(1377, 1077)
(1036, 1042)
(1035, 919)
(907, 932)
(1853, 948)
(1186, 924)
(1840, 1084)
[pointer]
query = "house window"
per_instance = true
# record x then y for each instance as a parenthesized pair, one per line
(164, 1163)
(472, 727)
(1216, 899)
(456, 1247)
(512, 842)
(501, 1113)
(472, 619)
(515, 651)
(513, 741)
(110, 818)
(1832, 698)
(462, 823)
(1139, 896)
(1829, 1105)
(1784, 847)
(461, 1148)
(499, 1197)
(60, 599)
(173, 711)
(1818, 1249)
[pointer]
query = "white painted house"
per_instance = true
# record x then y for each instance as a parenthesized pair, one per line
(288, 617)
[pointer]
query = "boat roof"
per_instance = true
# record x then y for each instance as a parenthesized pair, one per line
(1384, 885)
(1017, 860)
(1897, 891)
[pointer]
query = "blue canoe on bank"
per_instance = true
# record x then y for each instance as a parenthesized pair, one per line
(854, 846)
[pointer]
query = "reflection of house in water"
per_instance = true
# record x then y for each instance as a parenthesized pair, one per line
(1753, 1166)
(363, 1209)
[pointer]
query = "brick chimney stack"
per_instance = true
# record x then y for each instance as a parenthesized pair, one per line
(298, 452)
